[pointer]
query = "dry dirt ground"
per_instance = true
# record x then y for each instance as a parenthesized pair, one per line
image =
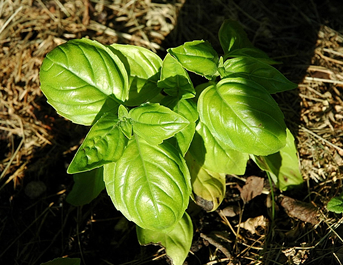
(36, 145)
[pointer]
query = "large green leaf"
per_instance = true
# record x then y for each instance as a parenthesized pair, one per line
(283, 166)
(197, 56)
(83, 79)
(232, 36)
(87, 187)
(177, 242)
(264, 74)
(208, 187)
(143, 67)
(156, 123)
(175, 80)
(104, 143)
(215, 157)
(242, 114)
(188, 110)
(253, 53)
(149, 184)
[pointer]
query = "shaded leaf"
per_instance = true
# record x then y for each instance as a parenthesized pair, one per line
(242, 115)
(177, 242)
(175, 80)
(149, 184)
(104, 143)
(87, 187)
(232, 36)
(264, 74)
(251, 52)
(197, 56)
(208, 187)
(63, 261)
(125, 123)
(143, 68)
(283, 166)
(83, 79)
(213, 156)
(156, 123)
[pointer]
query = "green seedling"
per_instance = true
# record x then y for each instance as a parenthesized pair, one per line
(156, 140)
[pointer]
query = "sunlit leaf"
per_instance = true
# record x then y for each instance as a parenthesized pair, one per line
(149, 184)
(336, 204)
(208, 187)
(252, 53)
(214, 156)
(177, 242)
(188, 110)
(198, 57)
(241, 114)
(143, 68)
(175, 80)
(104, 143)
(87, 187)
(82, 79)
(156, 123)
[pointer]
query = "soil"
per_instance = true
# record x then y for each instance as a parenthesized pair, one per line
(38, 225)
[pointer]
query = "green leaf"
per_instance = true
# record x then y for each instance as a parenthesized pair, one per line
(143, 67)
(198, 57)
(215, 157)
(63, 261)
(156, 123)
(177, 242)
(188, 110)
(125, 123)
(104, 143)
(242, 115)
(232, 36)
(149, 184)
(283, 166)
(336, 204)
(87, 187)
(264, 74)
(208, 187)
(251, 52)
(175, 79)
(82, 79)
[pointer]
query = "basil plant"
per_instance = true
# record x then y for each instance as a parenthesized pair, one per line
(156, 140)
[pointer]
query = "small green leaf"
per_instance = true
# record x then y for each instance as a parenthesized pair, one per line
(87, 187)
(104, 143)
(264, 74)
(283, 166)
(156, 123)
(208, 187)
(336, 204)
(188, 110)
(214, 156)
(177, 242)
(198, 57)
(242, 115)
(149, 184)
(143, 67)
(125, 123)
(232, 36)
(83, 79)
(63, 261)
(175, 80)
